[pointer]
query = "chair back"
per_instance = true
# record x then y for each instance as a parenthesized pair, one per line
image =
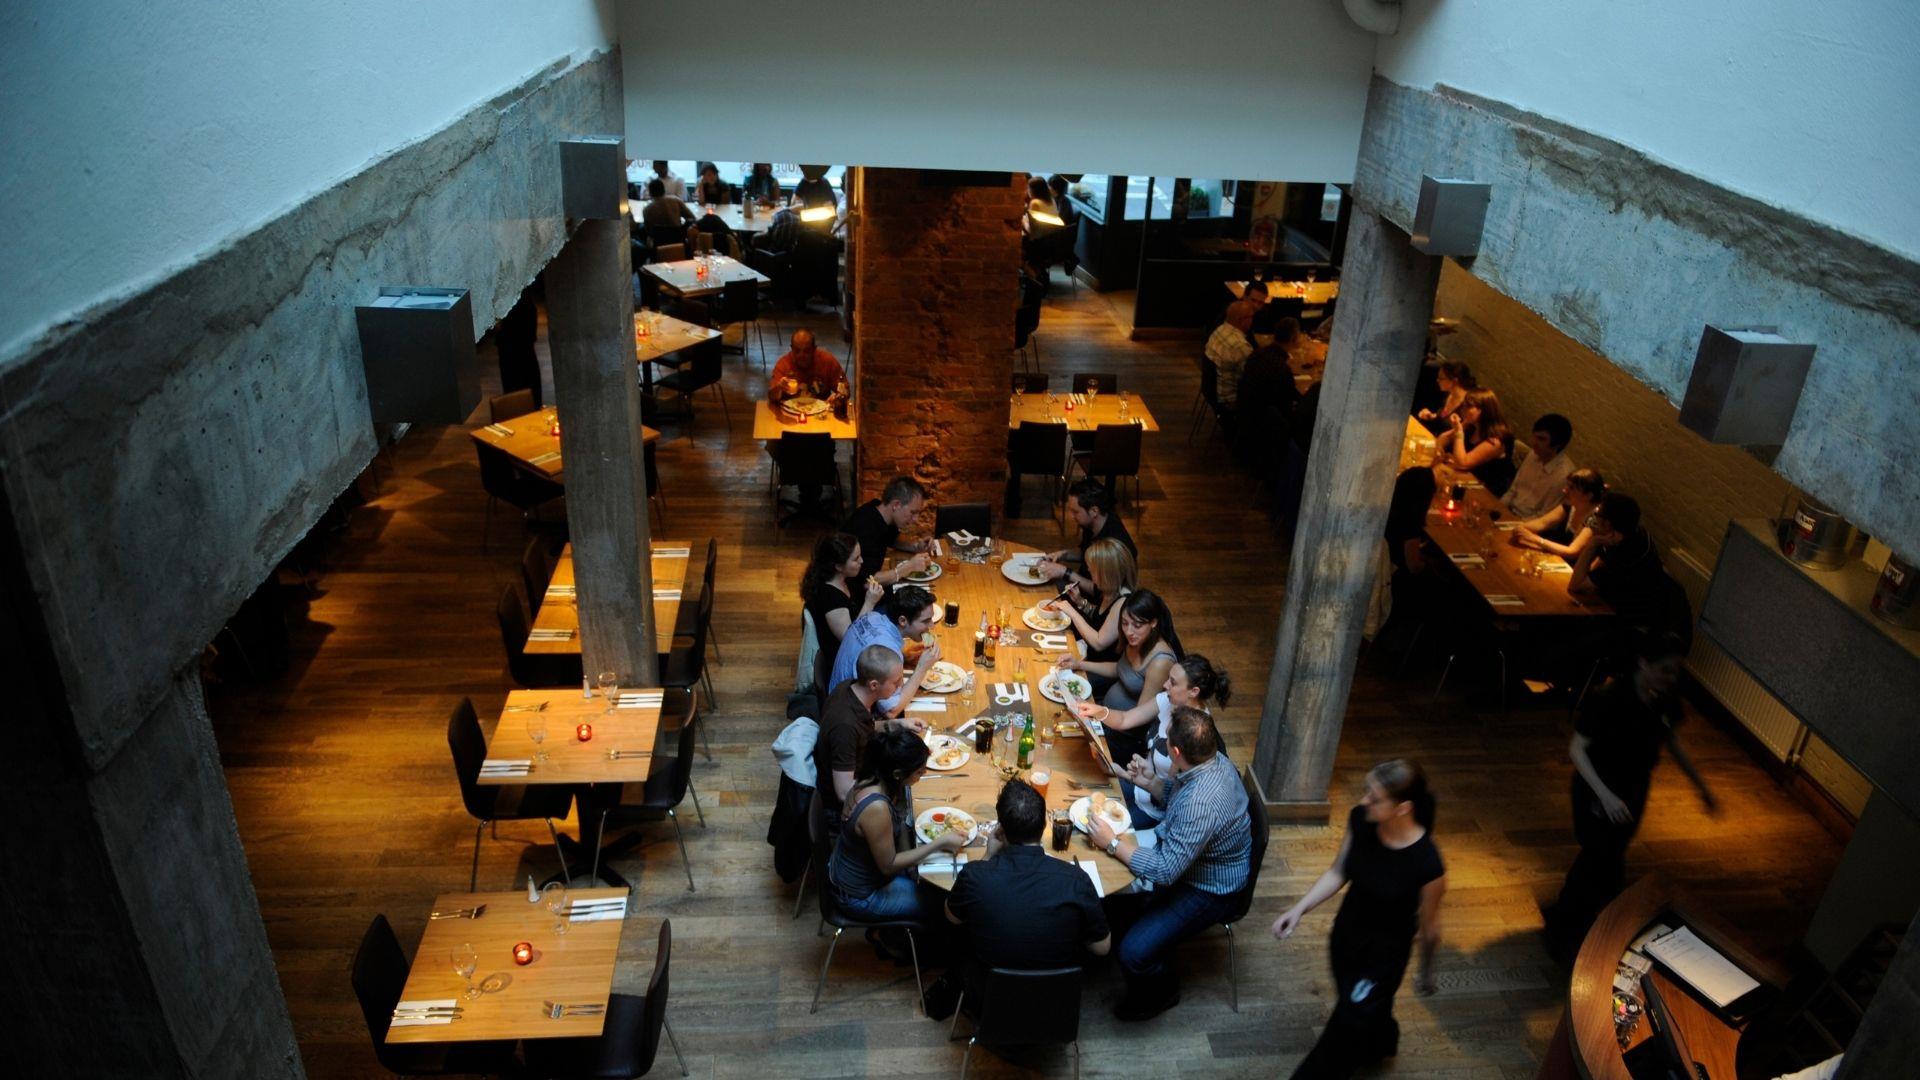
(1257, 820)
(697, 312)
(1034, 381)
(1210, 383)
(515, 623)
(499, 476)
(650, 460)
(703, 364)
(739, 301)
(663, 236)
(536, 570)
(1026, 1008)
(976, 518)
(1116, 450)
(656, 1008)
(1037, 447)
(1108, 383)
(822, 842)
(677, 707)
(379, 978)
(713, 559)
(666, 253)
(469, 746)
(507, 406)
(807, 458)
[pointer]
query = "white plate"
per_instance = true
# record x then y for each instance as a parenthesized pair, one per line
(1082, 689)
(944, 678)
(931, 573)
(1018, 569)
(944, 744)
(925, 821)
(1038, 620)
(1081, 807)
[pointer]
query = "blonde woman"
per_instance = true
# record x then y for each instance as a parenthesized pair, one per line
(1114, 575)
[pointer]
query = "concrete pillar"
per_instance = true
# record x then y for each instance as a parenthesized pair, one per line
(595, 386)
(938, 267)
(1379, 341)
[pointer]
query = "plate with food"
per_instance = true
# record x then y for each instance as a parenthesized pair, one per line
(940, 820)
(1110, 808)
(805, 406)
(1024, 569)
(921, 577)
(944, 677)
(946, 753)
(1058, 685)
(1042, 617)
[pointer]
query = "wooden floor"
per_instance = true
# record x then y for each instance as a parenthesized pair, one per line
(347, 804)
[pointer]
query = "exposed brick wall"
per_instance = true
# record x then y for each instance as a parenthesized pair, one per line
(1687, 487)
(937, 269)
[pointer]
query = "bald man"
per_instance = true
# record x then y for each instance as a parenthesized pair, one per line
(1229, 347)
(805, 370)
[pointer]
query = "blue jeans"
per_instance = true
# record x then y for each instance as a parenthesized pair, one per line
(1171, 916)
(899, 898)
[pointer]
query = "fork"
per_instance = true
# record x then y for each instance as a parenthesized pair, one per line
(460, 913)
(556, 1010)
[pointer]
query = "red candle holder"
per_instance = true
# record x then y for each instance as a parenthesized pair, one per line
(523, 953)
(584, 732)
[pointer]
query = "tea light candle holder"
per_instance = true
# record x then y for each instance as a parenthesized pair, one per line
(584, 732)
(523, 953)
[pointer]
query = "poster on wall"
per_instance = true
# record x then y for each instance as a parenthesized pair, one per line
(1269, 206)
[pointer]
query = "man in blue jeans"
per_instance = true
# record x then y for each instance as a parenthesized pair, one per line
(1200, 858)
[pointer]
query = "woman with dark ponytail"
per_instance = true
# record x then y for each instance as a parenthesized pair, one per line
(1195, 682)
(1390, 859)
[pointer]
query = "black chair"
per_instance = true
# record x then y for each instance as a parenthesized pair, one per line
(1210, 405)
(1035, 382)
(685, 665)
(669, 253)
(505, 481)
(543, 801)
(740, 303)
(976, 518)
(628, 805)
(659, 236)
(1243, 899)
(702, 370)
(651, 462)
(631, 1038)
(530, 669)
(536, 570)
(1115, 453)
(379, 978)
(1037, 448)
(831, 913)
(806, 460)
(1108, 383)
(1025, 1008)
(507, 406)
(688, 621)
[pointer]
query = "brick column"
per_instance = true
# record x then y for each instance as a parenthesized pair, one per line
(938, 266)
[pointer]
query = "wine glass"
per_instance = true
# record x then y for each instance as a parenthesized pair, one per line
(966, 692)
(609, 683)
(1019, 388)
(465, 962)
(1093, 390)
(553, 896)
(537, 731)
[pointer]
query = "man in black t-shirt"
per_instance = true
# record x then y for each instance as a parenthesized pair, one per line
(1616, 743)
(1090, 505)
(1622, 566)
(877, 526)
(848, 722)
(1022, 907)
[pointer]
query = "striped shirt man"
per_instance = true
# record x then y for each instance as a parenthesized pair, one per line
(1206, 839)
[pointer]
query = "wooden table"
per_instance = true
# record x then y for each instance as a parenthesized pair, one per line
(1311, 293)
(570, 761)
(770, 424)
(680, 278)
(665, 336)
(558, 610)
(980, 588)
(530, 446)
(731, 213)
(1503, 574)
(1103, 408)
(575, 967)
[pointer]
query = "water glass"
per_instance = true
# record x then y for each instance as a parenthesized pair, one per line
(609, 687)
(465, 962)
(1093, 390)
(553, 896)
(537, 731)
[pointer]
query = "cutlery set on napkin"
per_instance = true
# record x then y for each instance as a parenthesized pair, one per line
(550, 634)
(927, 704)
(551, 455)
(611, 909)
(671, 552)
(501, 430)
(1506, 600)
(1467, 561)
(637, 699)
(506, 767)
(423, 1013)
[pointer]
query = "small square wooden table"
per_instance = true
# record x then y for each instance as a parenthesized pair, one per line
(769, 424)
(559, 610)
(682, 279)
(525, 439)
(1088, 413)
(630, 730)
(575, 967)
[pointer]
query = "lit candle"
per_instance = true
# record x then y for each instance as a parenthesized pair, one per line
(523, 953)
(584, 731)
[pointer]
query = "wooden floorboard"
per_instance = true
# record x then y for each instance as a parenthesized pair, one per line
(346, 801)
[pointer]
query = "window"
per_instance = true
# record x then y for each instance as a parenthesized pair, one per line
(1205, 198)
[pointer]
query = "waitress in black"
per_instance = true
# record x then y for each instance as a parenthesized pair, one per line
(1397, 878)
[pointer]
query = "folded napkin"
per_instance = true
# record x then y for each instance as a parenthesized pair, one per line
(423, 1021)
(666, 594)
(551, 455)
(1506, 600)
(602, 913)
(641, 697)
(672, 552)
(1556, 568)
(506, 764)
(550, 635)
(501, 430)
(562, 590)
(938, 551)
(1464, 559)
(943, 864)
(1092, 870)
(927, 704)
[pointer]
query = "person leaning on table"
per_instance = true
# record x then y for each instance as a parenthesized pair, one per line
(1200, 858)
(1090, 505)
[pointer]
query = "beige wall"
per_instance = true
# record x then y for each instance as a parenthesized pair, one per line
(1687, 487)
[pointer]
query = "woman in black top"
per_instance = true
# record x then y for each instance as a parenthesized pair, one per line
(1481, 442)
(828, 596)
(1397, 879)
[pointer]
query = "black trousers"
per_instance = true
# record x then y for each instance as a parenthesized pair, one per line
(1599, 871)
(1369, 964)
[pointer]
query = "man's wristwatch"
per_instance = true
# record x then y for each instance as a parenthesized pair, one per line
(1113, 845)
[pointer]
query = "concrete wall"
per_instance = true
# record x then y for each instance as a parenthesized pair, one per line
(1630, 258)
(1808, 107)
(141, 136)
(1269, 89)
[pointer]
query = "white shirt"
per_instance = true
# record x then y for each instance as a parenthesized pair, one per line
(1229, 348)
(1537, 485)
(676, 187)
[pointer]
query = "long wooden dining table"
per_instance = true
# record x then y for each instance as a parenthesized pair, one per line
(559, 611)
(975, 785)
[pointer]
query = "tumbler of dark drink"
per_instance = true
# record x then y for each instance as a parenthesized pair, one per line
(953, 613)
(1062, 830)
(983, 734)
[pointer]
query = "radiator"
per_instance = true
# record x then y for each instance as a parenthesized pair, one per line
(1777, 728)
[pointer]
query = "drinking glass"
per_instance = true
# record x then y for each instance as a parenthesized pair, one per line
(537, 731)
(1020, 669)
(1019, 388)
(1123, 404)
(609, 687)
(1039, 778)
(966, 692)
(1093, 390)
(553, 895)
(465, 962)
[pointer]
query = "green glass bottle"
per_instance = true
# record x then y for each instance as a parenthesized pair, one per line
(1026, 743)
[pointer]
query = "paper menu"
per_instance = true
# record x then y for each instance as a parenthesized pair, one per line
(1701, 966)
